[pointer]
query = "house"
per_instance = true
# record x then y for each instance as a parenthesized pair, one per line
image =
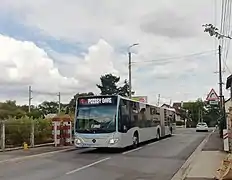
(228, 104)
(180, 111)
(177, 114)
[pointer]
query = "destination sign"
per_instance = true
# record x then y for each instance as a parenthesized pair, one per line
(96, 101)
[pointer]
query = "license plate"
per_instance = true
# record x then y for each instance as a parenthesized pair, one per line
(87, 145)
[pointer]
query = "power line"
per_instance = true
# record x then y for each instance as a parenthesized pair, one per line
(162, 60)
(227, 44)
(53, 93)
(223, 12)
(215, 22)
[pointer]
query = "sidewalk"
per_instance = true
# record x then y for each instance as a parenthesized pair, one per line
(4, 156)
(206, 163)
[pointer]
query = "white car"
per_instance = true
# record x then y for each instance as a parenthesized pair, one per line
(202, 126)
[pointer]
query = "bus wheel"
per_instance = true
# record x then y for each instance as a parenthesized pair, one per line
(158, 135)
(135, 140)
(170, 131)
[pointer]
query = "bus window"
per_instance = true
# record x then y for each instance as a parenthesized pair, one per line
(135, 113)
(123, 121)
(129, 114)
(148, 116)
(142, 118)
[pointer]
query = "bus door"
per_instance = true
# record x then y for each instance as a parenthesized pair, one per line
(162, 122)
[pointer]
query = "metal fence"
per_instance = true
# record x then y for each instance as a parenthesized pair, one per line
(15, 132)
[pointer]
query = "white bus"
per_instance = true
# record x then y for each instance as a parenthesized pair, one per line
(118, 122)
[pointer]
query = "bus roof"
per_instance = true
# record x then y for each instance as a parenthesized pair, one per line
(122, 97)
(89, 96)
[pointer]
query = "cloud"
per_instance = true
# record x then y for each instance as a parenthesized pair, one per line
(164, 30)
(24, 64)
(168, 23)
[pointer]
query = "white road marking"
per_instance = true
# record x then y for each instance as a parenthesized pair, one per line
(153, 143)
(35, 155)
(87, 166)
(132, 150)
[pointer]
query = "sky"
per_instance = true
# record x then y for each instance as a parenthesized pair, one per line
(65, 46)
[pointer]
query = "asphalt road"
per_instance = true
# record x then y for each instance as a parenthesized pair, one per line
(158, 160)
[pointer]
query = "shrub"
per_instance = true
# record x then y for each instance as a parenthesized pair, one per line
(19, 131)
(43, 130)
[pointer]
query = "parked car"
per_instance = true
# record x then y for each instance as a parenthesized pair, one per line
(202, 126)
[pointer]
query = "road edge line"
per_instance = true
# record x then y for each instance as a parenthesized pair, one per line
(35, 155)
(186, 167)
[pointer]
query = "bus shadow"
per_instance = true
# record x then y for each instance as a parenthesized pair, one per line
(119, 150)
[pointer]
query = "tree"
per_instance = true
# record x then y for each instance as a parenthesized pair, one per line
(212, 114)
(195, 109)
(35, 113)
(199, 110)
(10, 109)
(124, 90)
(47, 107)
(213, 31)
(108, 84)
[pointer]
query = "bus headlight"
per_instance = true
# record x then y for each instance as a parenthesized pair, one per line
(77, 141)
(113, 141)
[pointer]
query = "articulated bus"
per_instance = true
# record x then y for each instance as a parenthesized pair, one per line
(118, 122)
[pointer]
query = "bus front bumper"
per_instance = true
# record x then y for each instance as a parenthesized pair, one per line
(96, 142)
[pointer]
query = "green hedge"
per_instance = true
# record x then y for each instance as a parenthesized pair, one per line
(19, 131)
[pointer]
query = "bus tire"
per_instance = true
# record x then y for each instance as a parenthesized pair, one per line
(171, 131)
(158, 134)
(135, 140)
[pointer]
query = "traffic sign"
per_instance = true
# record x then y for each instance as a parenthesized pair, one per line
(140, 98)
(212, 96)
(213, 102)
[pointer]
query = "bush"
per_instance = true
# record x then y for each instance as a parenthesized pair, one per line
(43, 130)
(19, 131)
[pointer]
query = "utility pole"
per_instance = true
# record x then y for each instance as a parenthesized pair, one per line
(223, 118)
(32, 136)
(213, 31)
(129, 68)
(30, 98)
(158, 100)
(170, 102)
(220, 76)
(58, 102)
(130, 87)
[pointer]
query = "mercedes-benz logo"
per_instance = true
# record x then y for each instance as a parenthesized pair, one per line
(94, 140)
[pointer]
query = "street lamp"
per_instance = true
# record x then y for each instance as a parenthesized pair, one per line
(129, 54)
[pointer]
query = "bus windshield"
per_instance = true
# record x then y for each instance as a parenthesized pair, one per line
(96, 119)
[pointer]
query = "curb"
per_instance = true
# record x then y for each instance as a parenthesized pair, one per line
(35, 146)
(186, 167)
(19, 148)
(37, 155)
